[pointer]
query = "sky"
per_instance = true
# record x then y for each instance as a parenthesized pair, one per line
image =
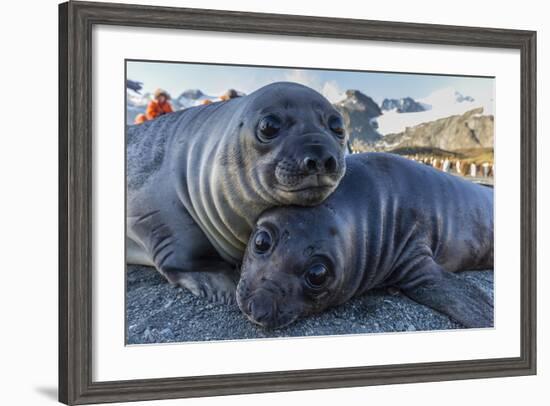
(214, 80)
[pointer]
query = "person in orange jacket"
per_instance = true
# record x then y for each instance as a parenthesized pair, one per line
(156, 107)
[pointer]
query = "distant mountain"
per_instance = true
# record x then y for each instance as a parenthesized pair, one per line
(192, 94)
(137, 99)
(190, 98)
(403, 105)
(459, 97)
(449, 96)
(360, 113)
(469, 130)
(442, 103)
(195, 97)
(357, 101)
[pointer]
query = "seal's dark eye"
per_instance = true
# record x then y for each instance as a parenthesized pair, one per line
(269, 126)
(336, 125)
(316, 276)
(262, 241)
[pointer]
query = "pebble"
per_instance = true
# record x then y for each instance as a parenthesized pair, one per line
(187, 318)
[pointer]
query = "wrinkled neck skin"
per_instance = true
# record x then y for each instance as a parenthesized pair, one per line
(376, 259)
(375, 238)
(220, 184)
(360, 270)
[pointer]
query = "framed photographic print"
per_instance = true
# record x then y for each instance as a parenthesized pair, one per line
(260, 202)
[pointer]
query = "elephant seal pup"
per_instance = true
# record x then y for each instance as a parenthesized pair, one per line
(198, 179)
(391, 223)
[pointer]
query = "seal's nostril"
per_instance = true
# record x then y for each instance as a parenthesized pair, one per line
(331, 165)
(260, 308)
(310, 164)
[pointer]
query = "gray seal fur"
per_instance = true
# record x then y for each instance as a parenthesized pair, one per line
(391, 223)
(198, 179)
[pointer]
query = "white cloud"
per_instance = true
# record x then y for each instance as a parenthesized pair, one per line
(329, 89)
(332, 91)
(301, 76)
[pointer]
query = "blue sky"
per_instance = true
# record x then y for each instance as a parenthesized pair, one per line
(215, 79)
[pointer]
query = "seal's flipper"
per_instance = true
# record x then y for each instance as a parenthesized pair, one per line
(169, 241)
(159, 243)
(215, 282)
(136, 254)
(180, 251)
(430, 285)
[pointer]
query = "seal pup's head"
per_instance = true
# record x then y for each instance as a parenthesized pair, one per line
(294, 265)
(295, 142)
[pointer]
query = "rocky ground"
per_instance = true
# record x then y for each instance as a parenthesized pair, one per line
(160, 313)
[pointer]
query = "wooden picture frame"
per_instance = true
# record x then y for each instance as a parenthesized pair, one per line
(76, 20)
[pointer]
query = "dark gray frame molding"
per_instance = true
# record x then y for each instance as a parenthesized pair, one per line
(76, 20)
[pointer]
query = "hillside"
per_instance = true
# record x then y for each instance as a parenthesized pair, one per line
(360, 112)
(457, 132)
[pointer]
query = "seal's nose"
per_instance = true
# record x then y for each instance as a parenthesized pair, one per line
(261, 309)
(319, 165)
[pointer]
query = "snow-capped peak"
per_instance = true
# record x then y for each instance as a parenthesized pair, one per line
(446, 97)
(442, 103)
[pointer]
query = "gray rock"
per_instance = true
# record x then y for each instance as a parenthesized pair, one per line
(458, 132)
(403, 105)
(359, 112)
